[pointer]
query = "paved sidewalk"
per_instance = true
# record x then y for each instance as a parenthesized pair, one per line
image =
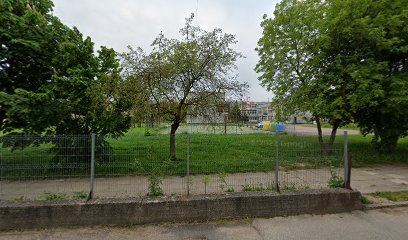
(380, 178)
(365, 180)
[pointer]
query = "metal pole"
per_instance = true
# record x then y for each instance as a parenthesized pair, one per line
(188, 162)
(91, 187)
(345, 158)
(277, 161)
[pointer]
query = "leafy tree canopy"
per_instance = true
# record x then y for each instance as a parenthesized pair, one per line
(51, 80)
(341, 60)
(192, 75)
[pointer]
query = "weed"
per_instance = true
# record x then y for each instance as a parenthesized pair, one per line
(246, 188)
(154, 186)
(80, 195)
(365, 200)
(334, 180)
(147, 133)
(206, 180)
(222, 176)
(55, 196)
(137, 166)
(257, 188)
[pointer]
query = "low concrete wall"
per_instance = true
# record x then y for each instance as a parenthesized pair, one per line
(26, 215)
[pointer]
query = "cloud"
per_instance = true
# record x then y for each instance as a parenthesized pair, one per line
(120, 23)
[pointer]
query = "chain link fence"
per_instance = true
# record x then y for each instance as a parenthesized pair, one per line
(138, 164)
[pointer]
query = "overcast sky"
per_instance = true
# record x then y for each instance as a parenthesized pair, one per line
(119, 23)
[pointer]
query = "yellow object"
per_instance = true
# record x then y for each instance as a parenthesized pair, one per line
(266, 126)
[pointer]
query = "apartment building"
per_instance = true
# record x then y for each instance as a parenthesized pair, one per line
(257, 111)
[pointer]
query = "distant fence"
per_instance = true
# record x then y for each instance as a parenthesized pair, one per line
(137, 164)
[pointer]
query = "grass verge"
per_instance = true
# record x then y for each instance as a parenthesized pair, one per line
(392, 196)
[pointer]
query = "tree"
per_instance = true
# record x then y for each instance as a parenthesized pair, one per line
(52, 82)
(235, 114)
(188, 76)
(85, 98)
(341, 61)
(370, 41)
(29, 38)
(294, 67)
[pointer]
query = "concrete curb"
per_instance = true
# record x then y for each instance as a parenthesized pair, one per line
(122, 212)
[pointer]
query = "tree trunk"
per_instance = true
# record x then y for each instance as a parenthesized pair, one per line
(326, 148)
(329, 145)
(389, 140)
(319, 131)
(173, 130)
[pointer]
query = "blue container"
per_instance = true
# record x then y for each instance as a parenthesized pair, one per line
(280, 127)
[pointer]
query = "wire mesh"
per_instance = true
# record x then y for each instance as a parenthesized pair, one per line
(139, 164)
(48, 167)
(125, 170)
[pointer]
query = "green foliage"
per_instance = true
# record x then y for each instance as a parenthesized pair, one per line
(223, 180)
(334, 180)
(63, 196)
(80, 195)
(147, 132)
(341, 60)
(137, 166)
(55, 197)
(191, 75)
(365, 200)
(52, 81)
(370, 42)
(210, 154)
(206, 180)
(155, 189)
(235, 114)
(257, 188)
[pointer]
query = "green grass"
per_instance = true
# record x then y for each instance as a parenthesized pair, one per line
(392, 196)
(63, 196)
(138, 154)
(365, 200)
(351, 126)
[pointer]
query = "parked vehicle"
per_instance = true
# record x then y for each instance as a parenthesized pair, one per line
(259, 125)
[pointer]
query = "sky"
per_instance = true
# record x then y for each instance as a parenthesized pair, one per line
(120, 23)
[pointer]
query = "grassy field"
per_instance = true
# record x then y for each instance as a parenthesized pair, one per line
(137, 154)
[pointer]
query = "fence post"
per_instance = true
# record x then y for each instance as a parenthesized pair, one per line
(345, 158)
(277, 160)
(91, 187)
(188, 156)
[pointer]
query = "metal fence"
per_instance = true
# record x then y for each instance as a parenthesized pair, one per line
(138, 164)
